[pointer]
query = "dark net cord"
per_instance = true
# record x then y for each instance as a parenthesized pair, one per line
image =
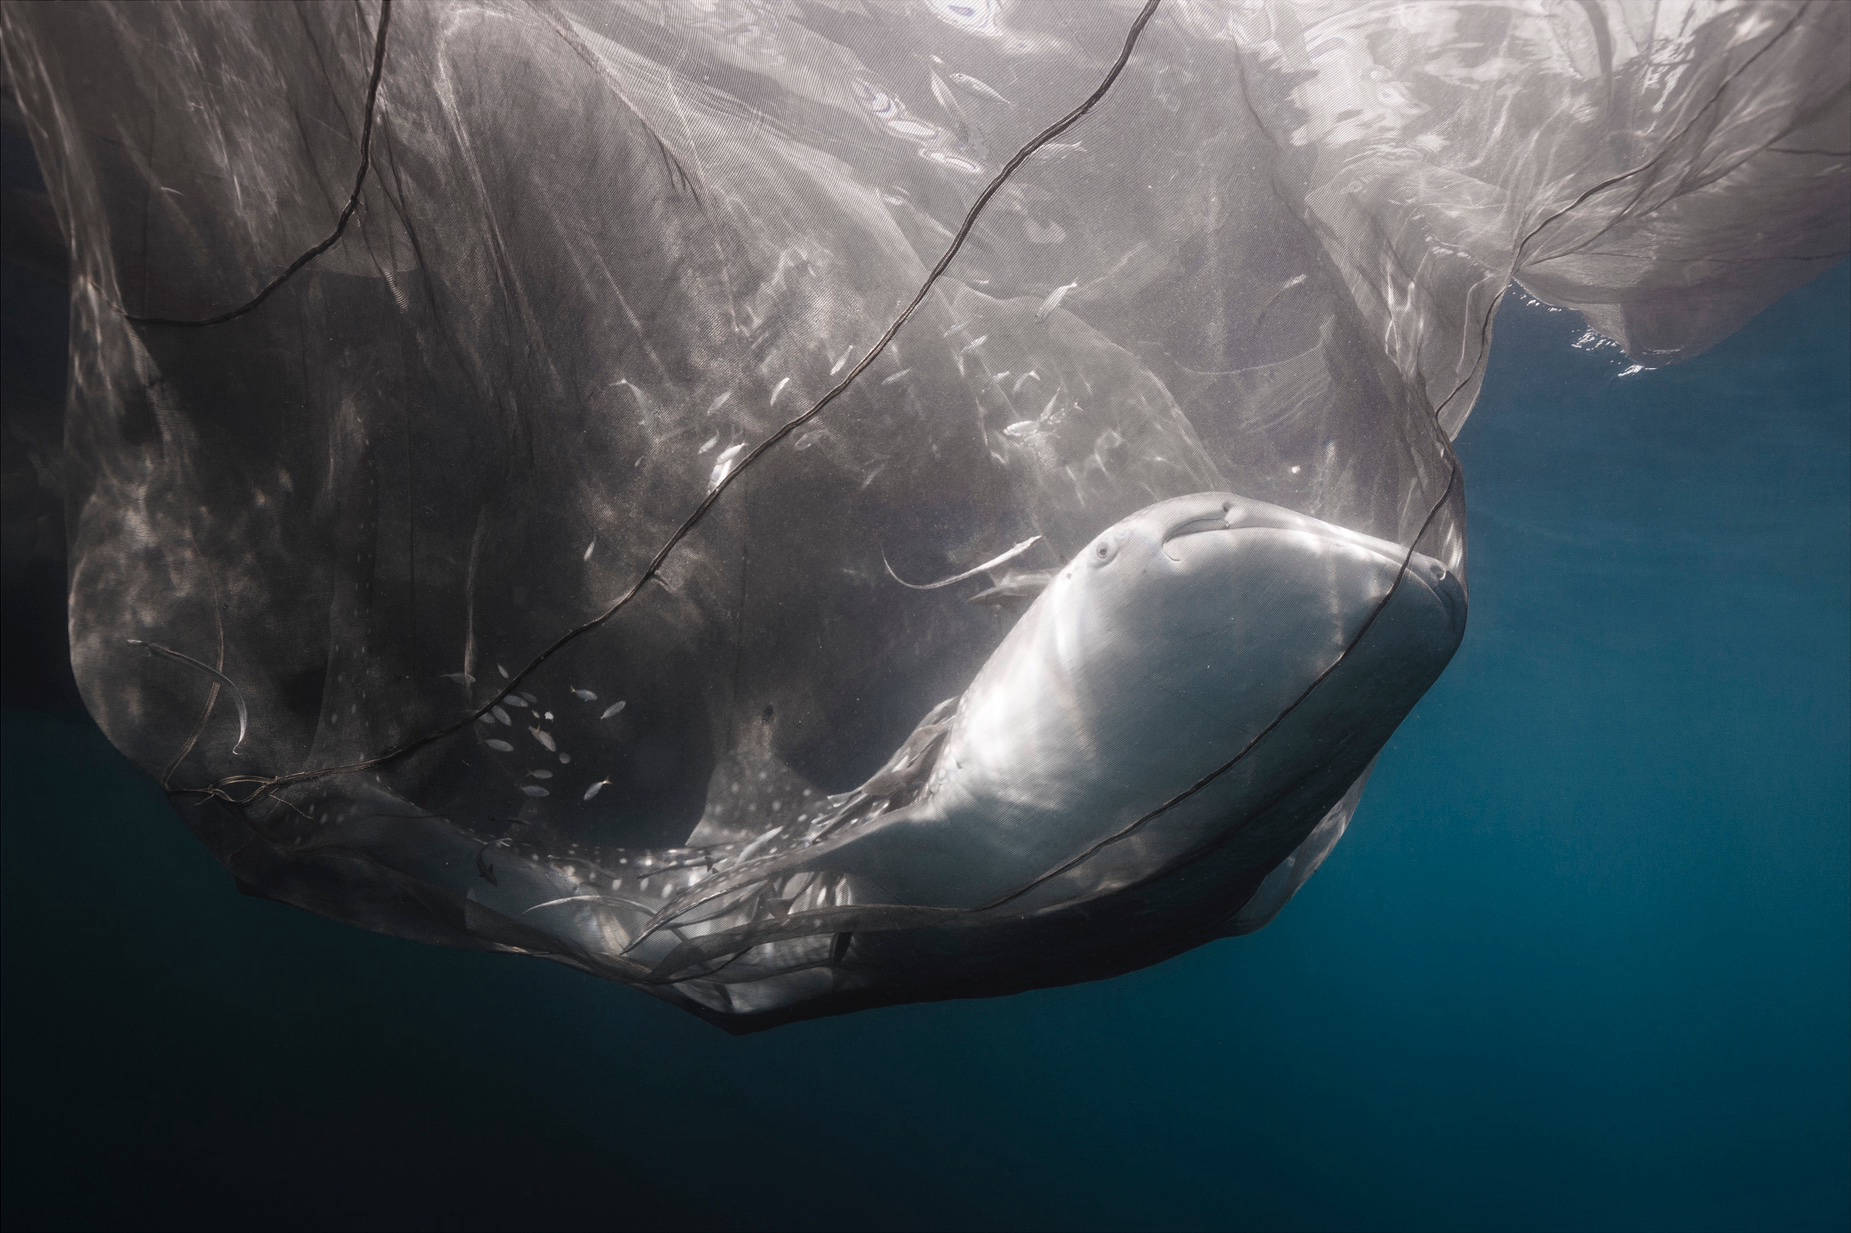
(263, 785)
(1670, 143)
(347, 211)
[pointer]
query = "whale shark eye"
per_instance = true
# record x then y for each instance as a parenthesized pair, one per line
(1104, 549)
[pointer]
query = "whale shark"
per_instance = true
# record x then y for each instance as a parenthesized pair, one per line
(1210, 673)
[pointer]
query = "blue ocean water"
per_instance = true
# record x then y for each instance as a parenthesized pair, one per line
(1584, 961)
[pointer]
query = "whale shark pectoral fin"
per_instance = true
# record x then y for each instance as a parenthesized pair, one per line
(901, 858)
(764, 862)
(1015, 585)
(1289, 875)
(900, 780)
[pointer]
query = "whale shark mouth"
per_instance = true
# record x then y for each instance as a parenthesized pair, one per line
(1199, 526)
(1411, 568)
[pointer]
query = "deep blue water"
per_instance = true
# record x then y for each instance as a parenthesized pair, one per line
(1583, 962)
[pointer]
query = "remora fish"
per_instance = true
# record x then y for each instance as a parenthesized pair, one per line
(1199, 632)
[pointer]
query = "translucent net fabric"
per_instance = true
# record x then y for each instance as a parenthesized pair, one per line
(508, 448)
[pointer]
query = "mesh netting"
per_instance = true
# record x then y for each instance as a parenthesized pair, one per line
(796, 506)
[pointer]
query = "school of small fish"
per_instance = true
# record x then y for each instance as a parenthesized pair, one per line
(542, 736)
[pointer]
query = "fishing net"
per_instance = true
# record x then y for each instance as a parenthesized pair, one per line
(546, 478)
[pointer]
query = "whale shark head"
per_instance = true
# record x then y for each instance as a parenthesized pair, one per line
(1211, 640)
(1260, 580)
(1185, 629)
(1231, 607)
